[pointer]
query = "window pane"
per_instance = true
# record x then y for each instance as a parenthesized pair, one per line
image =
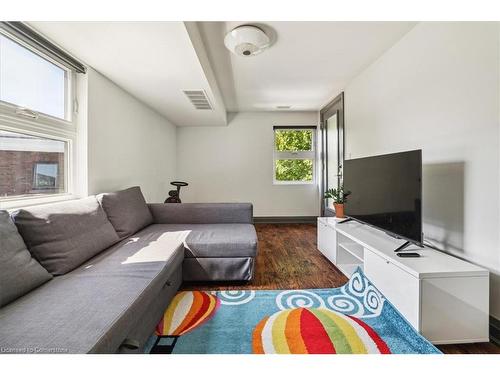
(294, 140)
(45, 175)
(294, 170)
(332, 161)
(31, 165)
(27, 80)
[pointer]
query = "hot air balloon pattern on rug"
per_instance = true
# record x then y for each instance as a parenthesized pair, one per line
(315, 331)
(187, 311)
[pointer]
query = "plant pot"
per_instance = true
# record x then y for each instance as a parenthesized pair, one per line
(339, 210)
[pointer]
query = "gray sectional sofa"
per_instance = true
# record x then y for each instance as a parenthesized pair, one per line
(95, 275)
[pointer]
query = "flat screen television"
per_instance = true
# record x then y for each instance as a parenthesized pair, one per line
(386, 192)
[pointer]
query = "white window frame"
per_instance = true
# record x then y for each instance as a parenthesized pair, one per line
(17, 119)
(296, 155)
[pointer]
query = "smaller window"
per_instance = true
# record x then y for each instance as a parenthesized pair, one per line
(45, 176)
(294, 155)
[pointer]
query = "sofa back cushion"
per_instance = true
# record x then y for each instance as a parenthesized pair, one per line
(19, 272)
(62, 236)
(127, 210)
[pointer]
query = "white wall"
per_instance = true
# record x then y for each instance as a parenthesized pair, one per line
(235, 164)
(438, 89)
(128, 142)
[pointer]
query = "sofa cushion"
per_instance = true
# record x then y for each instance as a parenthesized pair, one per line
(215, 240)
(202, 213)
(62, 236)
(93, 308)
(126, 210)
(19, 272)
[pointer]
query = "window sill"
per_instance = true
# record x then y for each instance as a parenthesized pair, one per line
(295, 183)
(15, 203)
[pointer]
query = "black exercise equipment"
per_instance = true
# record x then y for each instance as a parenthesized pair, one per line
(174, 195)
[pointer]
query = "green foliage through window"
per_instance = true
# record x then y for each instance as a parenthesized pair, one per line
(294, 155)
(294, 170)
(293, 140)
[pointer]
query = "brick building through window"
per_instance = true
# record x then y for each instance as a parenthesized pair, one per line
(31, 165)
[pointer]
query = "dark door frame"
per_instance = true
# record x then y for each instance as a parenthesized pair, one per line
(335, 106)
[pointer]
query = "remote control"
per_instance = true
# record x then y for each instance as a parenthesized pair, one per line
(408, 255)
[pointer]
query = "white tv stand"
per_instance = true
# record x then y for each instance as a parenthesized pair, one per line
(444, 298)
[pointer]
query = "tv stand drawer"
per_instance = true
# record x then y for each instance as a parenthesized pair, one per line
(401, 288)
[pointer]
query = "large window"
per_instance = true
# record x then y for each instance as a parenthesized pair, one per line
(37, 132)
(294, 155)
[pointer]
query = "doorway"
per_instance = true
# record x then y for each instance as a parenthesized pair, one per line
(332, 157)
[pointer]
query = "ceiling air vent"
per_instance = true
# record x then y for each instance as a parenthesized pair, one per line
(198, 98)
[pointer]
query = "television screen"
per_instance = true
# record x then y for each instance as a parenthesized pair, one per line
(386, 192)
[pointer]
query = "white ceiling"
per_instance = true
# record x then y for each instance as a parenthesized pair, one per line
(154, 61)
(309, 64)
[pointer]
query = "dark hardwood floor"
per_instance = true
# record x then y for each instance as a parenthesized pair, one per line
(288, 259)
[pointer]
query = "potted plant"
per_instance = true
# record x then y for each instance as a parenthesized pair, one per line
(339, 197)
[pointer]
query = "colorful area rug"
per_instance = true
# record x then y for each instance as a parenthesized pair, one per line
(355, 318)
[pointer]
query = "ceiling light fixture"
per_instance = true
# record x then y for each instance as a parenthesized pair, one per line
(246, 40)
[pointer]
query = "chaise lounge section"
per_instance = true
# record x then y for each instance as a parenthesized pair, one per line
(108, 266)
(220, 240)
